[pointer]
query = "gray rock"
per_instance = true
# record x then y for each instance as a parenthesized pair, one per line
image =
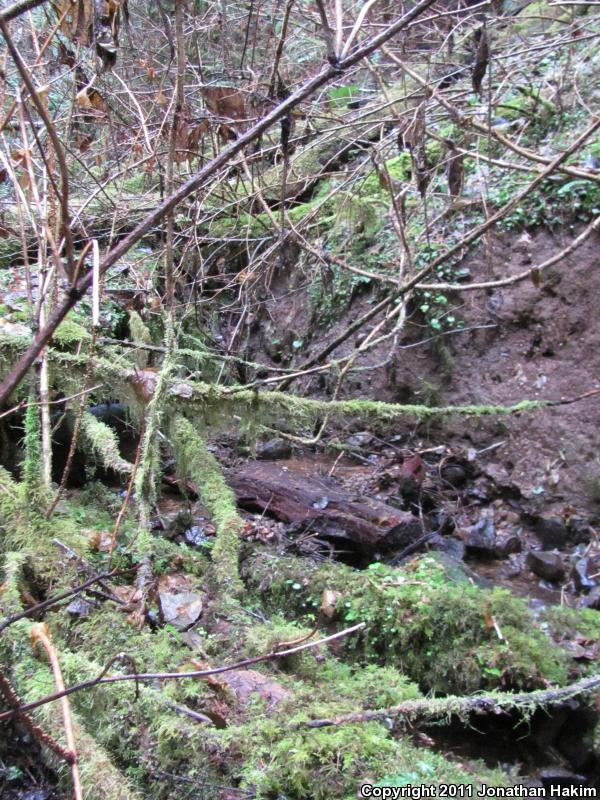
(274, 450)
(451, 546)
(180, 609)
(580, 575)
(480, 539)
(195, 536)
(360, 439)
(549, 566)
(79, 608)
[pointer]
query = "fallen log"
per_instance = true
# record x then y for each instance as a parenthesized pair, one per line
(320, 505)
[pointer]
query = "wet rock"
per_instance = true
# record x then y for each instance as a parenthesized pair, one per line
(580, 575)
(79, 608)
(557, 776)
(180, 609)
(360, 439)
(551, 532)
(593, 599)
(506, 545)
(548, 566)
(195, 536)
(451, 546)
(453, 474)
(480, 539)
(274, 450)
(176, 524)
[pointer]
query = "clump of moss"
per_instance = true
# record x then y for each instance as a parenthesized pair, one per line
(141, 336)
(333, 762)
(441, 632)
(566, 623)
(70, 334)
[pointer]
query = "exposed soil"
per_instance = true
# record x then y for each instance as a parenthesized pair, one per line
(520, 342)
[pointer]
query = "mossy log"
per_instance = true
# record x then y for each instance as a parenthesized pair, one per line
(321, 506)
(335, 137)
(426, 619)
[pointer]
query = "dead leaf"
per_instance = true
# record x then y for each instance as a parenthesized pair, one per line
(454, 170)
(243, 683)
(101, 541)
(329, 601)
(536, 278)
(482, 59)
(226, 102)
(89, 22)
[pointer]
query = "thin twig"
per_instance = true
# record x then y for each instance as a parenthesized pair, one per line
(165, 676)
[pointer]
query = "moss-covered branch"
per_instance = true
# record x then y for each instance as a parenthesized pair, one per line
(104, 443)
(194, 460)
(435, 709)
(217, 404)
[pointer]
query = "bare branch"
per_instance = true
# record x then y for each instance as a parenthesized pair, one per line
(327, 74)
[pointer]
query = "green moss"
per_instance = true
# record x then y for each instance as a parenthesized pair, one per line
(103, 443)
(333, 762)
(566, 623)
(195, 461)
(70, 334)
(419, 619)
(141, 336)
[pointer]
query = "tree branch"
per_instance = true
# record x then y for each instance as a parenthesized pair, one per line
(19, 8)
(75, 294)
(172, 676)
(491, 703)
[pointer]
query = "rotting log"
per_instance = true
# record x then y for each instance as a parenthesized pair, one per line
(320, 505)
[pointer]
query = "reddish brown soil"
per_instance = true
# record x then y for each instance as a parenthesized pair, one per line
(543, 343)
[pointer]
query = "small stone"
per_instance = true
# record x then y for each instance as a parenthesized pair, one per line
(480, 539)
(274, 450)
(593, 599)
(360, 439)
(195, 536)
(580, 575)
(79, 608)
(551, 532)
(549, 566)
(506, 545)
(454, 475)
(181, 609)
